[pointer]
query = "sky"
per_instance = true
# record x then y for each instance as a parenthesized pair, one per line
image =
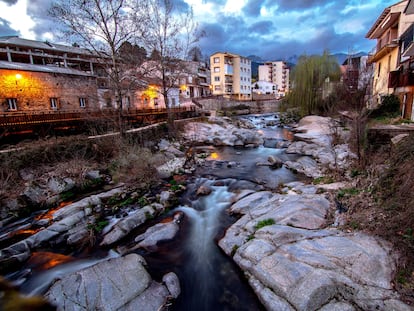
(270, 29)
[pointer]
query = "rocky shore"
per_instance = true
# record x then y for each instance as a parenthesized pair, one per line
(286, 241)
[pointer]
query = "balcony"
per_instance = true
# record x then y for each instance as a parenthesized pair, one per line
(400, 79)
(381, 50)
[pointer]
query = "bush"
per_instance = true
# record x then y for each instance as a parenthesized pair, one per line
(389, 108)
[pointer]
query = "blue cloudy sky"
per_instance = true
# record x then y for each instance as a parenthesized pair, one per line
(271, 29)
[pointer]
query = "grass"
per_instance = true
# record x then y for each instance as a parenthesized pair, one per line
(323, 180)
(347, 192)
(264, 223)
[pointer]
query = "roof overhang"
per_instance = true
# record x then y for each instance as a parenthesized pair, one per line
(381, 53)
(383, 23)
(42, 68)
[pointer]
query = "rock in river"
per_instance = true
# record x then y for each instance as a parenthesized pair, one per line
(116, 284)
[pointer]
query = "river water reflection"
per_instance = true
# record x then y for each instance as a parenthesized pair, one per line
(209, 279)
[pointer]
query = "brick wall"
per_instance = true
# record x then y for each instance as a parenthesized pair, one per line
(33, 90)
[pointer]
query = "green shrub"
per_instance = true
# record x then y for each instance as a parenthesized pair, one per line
(389, 107)
(264, 223)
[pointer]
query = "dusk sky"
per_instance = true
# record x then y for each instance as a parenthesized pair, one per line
(271, 29)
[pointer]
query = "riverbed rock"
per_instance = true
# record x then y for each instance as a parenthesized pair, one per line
(305, 165)
(297, 263)
(203, 190)
(173, 284)
(116, 284)
(124, 226)
(155, 234)
(173, 166)
(275, 162)
(221, 133)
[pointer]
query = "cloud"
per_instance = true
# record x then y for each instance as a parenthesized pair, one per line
(9, 2)
(6, 30)
(253, 8)
(267, 28)
(285, 5)
(263, 27)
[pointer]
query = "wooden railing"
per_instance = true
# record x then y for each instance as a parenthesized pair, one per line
(18, 121)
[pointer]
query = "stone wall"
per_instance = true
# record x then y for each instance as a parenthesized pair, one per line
(33, 90)
(221, 104)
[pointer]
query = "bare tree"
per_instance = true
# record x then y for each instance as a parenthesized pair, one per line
(102, 27)
(352, 98)
(169, 33)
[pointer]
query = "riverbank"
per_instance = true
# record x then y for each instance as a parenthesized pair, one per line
(287, 238)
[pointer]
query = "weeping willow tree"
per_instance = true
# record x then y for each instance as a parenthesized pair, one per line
(311, 79)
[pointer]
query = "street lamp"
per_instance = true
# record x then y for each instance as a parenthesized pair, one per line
(18, 77)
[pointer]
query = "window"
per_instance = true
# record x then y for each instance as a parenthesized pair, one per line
(12, 104)
(216, 69)
(217, 88)
(108, 102)
(217, 78)
(82, 102)
(216, 60)
(53, 103)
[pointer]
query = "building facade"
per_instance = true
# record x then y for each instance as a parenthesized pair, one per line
(41, 76)
(195, 82)
(231, 76)
(392, 56)
(278, 73)
(264, 87)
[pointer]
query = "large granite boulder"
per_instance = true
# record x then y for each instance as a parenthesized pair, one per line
(125, 225)
(116, 284)
(69, 224)
(296, 262)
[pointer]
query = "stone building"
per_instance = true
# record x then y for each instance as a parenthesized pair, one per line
(41, 76)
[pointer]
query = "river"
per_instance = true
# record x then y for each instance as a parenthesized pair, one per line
(209, 279)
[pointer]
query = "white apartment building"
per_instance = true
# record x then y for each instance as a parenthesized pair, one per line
(231, 75)
(276, 72)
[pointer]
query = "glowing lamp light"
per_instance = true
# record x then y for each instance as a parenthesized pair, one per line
(18, 76)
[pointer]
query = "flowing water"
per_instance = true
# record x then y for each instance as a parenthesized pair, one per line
(209, 279)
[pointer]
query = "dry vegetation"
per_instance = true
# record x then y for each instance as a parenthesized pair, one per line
(383, 204)
(74, 156)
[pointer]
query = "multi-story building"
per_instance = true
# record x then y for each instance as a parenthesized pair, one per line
(45, 76)
(276, 72)
(392, 54)
(356, 73)
(195, 82)
(231, 75)
(264, 87)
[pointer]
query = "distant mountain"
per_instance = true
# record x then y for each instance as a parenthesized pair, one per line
(341, 57)
(255, 58)
(256, 62)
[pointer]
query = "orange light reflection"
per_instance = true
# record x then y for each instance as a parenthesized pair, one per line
(214, 156)
(47, 260)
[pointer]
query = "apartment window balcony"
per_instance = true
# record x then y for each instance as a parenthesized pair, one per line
(380, 51)
(400, 78)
